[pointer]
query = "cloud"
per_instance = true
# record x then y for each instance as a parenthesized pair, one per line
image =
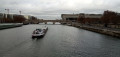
(52, 8)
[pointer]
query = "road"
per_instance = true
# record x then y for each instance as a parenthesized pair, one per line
(59, 41)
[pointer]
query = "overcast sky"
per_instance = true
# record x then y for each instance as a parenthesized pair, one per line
(52, 9)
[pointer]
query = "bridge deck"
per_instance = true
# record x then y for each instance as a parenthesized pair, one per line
(50, 20)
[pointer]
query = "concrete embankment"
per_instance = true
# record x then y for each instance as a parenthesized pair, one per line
(6, 26)
(102, 30)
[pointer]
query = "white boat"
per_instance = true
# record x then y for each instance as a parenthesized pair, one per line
(39, 32)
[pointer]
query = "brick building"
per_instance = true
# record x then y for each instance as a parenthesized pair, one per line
(110, 17)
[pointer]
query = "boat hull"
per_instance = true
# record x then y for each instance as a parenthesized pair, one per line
(38, 36)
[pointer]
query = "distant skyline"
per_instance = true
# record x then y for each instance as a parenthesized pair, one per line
(52, 9)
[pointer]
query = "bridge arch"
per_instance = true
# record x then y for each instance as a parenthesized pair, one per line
(53, 21)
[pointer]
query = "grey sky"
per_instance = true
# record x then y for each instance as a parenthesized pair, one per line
(52, 9)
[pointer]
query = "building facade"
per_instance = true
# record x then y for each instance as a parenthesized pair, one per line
(82, 17)
(1, 17)
(15, 18)
(92, 18)
(70, 17)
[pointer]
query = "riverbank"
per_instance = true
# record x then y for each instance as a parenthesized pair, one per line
(9, 25)
(102, 30)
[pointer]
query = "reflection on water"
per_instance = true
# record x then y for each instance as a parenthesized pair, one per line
(59, 41)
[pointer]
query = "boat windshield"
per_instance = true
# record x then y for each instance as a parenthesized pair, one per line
(38, 30)
(35, 32)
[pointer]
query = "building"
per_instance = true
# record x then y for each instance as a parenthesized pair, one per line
(9, 18)
(14, 18)
(18, 18)
(82, 17)
(2, 17)
(6, 18)
(111, 17)
(89, 18)
(70, 17)
(93, 18)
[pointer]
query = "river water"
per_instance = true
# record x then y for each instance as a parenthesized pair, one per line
(59, 41)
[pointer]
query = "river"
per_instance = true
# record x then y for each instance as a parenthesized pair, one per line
(59, 41)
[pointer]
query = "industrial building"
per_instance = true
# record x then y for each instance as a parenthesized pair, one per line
(82, 17)
(70, 17)
(15, 18)
(89, 18)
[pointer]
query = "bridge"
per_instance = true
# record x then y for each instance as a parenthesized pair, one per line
(53, 21)
(45, 21)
